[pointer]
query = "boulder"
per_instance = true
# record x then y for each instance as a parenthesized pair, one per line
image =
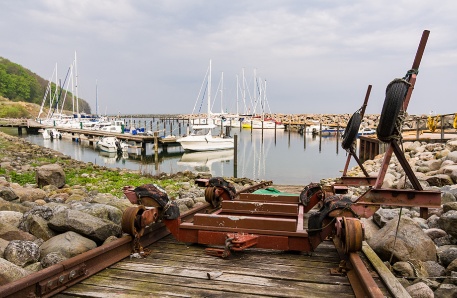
(51, 174)
(52, 259)
(452, 156)
(9, 233)
(420, 290)
(68, 244)
(11, 217)
(26, 194)
(84, 224)
(448, 222)
(447, 254)
(103, 211)
(21, 252)
(10, 272)
(439, 180)
(8, 194)
(409, 243)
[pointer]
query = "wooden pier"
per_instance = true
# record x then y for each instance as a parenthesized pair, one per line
(91, 136)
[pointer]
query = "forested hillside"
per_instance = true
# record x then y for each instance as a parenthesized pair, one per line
(20, 84)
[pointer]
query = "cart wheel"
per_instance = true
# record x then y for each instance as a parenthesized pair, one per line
(352, 234)
(211, 197)
(131, 220)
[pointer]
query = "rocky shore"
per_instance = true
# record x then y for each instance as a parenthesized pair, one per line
(48, 221)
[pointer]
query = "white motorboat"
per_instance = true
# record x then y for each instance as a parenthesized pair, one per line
(51, 133)
(116, 126)
(112, 145)
(198, 140)
(366, 131)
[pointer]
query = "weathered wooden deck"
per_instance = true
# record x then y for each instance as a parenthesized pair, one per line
(179, 270)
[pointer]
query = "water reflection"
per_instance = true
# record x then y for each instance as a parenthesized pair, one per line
(282, 156)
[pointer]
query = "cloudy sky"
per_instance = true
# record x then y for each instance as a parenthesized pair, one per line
(151, 57)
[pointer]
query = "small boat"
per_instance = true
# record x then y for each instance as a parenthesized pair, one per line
(117, 126)
(332, 131)
(112, 145)
(51, 133)
(366, 131)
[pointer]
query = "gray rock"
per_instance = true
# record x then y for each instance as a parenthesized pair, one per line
(432, 221)
(452, 156)
(451, 145)
(84, 224)
(420, 290)
(447, 254)
(10, 272)
(68, 244)
(383, 216)
(434, 233)
(449, 206)
(448, 222)
(3, 245)
(21, 252)
(38, 227)
(447, 197)
(11, 217)
(9, 232)
(8, 194)
(30, 194)
(102, 211)
(439, 180)
(409, 243)
(446, 291)
(434, 269)
(52, 258)
(51, 174)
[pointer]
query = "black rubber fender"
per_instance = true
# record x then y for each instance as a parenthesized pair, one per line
(351, 131)
(395, 96)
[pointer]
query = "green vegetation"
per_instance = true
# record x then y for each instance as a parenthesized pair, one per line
(13, 111)
(20, 84)
(90, 176)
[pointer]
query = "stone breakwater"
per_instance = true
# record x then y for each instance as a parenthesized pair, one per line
(423, 252)
(44, 223)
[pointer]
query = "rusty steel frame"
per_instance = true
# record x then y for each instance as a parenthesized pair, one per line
(357, 181)
(400, 197)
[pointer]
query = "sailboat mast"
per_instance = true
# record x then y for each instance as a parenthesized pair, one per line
(209, 92)
(96, 97)
(222, 93)
(76, 86)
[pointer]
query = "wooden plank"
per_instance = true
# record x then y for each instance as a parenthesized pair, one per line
(386, 275)
(241, 207)
(269, 198)
(181, 281)
(245, 222)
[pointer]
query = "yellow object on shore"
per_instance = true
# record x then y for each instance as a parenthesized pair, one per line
(432, 122)
(455, 121)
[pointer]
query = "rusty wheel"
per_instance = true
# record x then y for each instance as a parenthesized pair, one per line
(352, 234)
(211, 197)
(131, 220)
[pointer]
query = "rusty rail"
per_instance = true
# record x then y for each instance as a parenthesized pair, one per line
(56, 278)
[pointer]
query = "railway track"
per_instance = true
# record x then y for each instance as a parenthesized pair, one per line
(175, 268)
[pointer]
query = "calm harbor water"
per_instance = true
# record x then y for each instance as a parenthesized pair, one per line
(283, 157)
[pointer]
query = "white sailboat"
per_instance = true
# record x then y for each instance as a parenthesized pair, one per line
(201, 138)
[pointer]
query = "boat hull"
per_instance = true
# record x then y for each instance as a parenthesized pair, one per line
(205, 143)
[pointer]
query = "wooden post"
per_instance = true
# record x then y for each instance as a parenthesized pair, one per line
(156, 141)
(235, 156)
